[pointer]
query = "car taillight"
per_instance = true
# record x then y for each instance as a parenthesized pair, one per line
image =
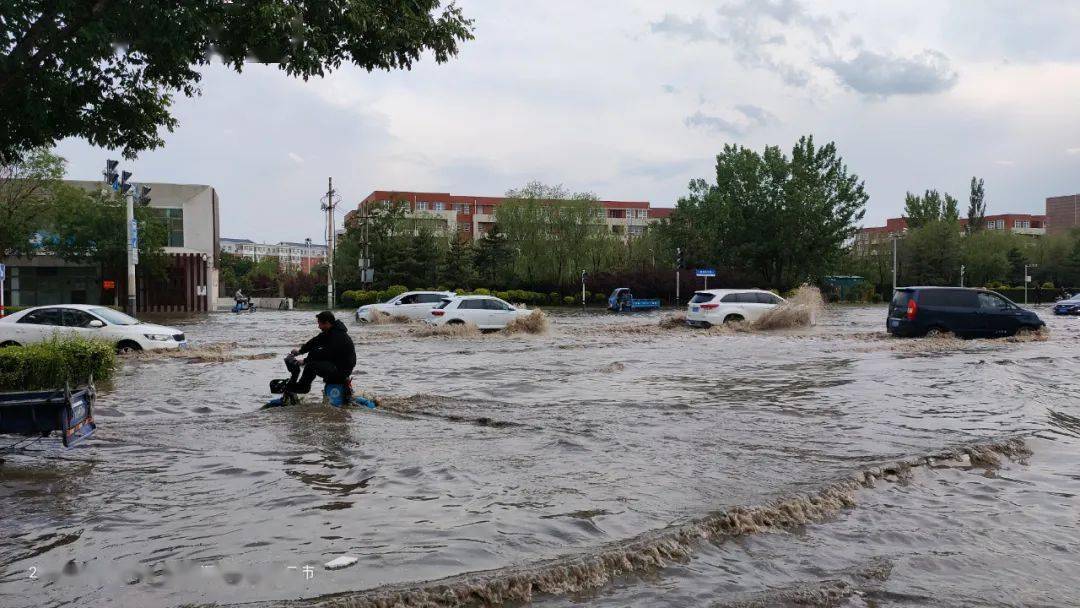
(438, 313)
(912, 308)
(709, 306)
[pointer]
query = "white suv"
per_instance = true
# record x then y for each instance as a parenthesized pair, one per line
(716, 306)
(412, 304)
(486, 312)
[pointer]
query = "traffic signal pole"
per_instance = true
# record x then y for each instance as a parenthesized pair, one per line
(132, 253)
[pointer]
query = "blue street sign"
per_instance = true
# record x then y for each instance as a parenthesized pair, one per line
(3, 273)
(705, 272)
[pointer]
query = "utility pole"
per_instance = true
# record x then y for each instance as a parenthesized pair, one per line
(894, 261)
(119, 182)
(329, 202)
(583, 276)
(1027, 279)
(678, 265)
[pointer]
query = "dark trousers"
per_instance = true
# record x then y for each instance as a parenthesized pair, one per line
(323, 369)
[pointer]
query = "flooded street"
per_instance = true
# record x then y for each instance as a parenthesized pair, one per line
(593, 464)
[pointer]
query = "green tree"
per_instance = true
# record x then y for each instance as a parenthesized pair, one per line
(931, 254)
(27, 190)
(89, 228)
(930, 207)
(553, 231)
(494, 258)
(976, 214)
(783, 219)
(985, 254)
(458, 265)
(107, 71)
(234, 272)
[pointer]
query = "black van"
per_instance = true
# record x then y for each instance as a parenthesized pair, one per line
(969, 313)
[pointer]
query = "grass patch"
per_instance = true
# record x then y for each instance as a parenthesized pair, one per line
(51, 364)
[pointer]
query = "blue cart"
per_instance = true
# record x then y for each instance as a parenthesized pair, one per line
(621, 300)
(40, 413)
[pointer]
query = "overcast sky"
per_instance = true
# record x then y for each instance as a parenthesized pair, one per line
(631, 100)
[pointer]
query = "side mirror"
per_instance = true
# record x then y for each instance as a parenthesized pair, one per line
(96, 323)
(512, 308)
(398, 303)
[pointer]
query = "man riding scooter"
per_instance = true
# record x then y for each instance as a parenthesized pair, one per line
(331, 356)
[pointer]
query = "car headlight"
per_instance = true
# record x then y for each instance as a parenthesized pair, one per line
(158, 337)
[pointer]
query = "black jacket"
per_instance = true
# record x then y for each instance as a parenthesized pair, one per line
(333, 345)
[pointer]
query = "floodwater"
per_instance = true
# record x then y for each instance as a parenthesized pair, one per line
(608, 462)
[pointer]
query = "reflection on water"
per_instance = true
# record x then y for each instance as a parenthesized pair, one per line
(505, 453)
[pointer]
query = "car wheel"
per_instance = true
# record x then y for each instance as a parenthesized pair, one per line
(455, 322)
(1025, 332)
(733, 318)
(937, 332)
(9, 343)
(127, 347)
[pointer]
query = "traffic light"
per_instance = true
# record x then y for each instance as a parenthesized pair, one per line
(124, 185)
(142, 195)
(110, 172)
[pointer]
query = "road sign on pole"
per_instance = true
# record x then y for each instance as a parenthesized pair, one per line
(705, 273)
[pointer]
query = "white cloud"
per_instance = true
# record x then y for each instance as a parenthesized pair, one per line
(296, 158)
(1075, 150)
(1005, 163)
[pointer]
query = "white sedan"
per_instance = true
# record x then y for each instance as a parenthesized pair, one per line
(717, 306)
(412, 304)
(128, 333)
(486, 312)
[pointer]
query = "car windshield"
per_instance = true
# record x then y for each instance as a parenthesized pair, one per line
(445, 303)
(114, 317)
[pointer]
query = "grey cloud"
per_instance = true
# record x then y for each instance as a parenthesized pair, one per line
(747, 22)
(713, 123)
(756, 114)
(669, 88)
(876, 74)
(679, 27)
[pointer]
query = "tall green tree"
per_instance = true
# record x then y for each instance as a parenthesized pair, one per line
(931, 254)
(89, 227)
(108, 70)
(553, 231)
(458, 266)
(932, 206)
(27, 190)
(976, 214)
(494, 258)
(785, 220)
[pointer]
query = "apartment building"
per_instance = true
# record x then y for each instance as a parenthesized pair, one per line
(1063, 213)
(299, 257)
(474, 216)
(1017, 223)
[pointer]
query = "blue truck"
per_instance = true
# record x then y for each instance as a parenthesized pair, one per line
(622, 300)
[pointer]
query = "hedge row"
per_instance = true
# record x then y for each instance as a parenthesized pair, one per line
(516, 296)
(54, 363)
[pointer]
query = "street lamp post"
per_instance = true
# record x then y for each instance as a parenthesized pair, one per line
(1027, 279)
(961, 275)
(894, 261)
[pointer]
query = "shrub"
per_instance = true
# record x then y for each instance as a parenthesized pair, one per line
(482, 292)
(359, 297)
(51, 364)
(599, 297)
(502, 295)
(1048, 285)
(555, 297)
(569, 300)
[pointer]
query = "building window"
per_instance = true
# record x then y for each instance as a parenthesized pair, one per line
(440, 206)
(466, 209)
(1000, 224)
(174, 224)
(615, 213)
(990, 225)
(421, 206)
(464, 227)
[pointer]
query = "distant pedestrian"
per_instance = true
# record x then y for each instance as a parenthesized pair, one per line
(1038, 294)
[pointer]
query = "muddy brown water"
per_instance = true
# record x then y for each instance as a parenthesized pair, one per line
(594, 464)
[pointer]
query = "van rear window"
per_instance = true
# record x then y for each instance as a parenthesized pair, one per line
(900, 299)
(700, 297)
(955, 298)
